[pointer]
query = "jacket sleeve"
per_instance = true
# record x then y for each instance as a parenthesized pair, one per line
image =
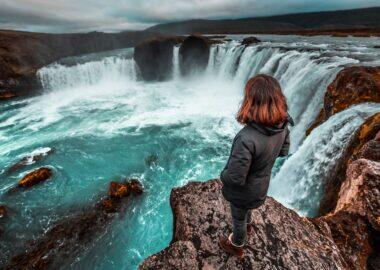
(285, 147)
(239, 163)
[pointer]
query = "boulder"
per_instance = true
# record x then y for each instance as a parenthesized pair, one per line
(3, 211)
(194, 53)
(365, 133)
(282, 239)
(66, 239)
(5, 95)
(250, 40)
(28, 160)
(35, 177)
(155, 58)
(352, 85)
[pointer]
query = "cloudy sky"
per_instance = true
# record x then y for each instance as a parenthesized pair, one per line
(116, 15)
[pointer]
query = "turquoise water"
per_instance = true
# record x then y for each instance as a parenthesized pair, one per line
(106, 136)
(104, 124)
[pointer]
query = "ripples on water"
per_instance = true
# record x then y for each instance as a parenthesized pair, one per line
(104, 124)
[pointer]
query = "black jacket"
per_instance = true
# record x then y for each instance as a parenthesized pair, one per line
(247, 172)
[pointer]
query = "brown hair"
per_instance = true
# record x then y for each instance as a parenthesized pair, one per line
(263, 102)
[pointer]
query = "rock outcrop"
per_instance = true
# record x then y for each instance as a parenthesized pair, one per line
(355, 221)
(155, 58)
(352, 85)
(353, 151)
(250, 40)
(28, 160)
(194, 53)
(68, 237)
(282, 239)
(35, 177)
(23, 53)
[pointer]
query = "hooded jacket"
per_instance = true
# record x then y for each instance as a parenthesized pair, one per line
(247, 173)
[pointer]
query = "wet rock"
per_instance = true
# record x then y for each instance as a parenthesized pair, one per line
(360, 192)
(250, 40)
(180, 255)
(352, 85)
(35, 177)
(7, 95)
(352, 234)
(67, 239)
(28, 160)
(357, 147)
(194, 53)
(3, 211)
(155, 58)
(283, 240)
(118, 190)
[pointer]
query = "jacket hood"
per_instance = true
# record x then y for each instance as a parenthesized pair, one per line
(272, 130)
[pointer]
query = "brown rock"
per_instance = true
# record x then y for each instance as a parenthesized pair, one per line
(35, 177)
(194, 53)
(3, 211)
(352, 235)
(354, 150)
(7, 95)
(250, 40)
(65, 241)
(360, 192)
(352, 85)
(25, 161)
(283, 240)
(180, 255)
(155, 58)
(117, 190)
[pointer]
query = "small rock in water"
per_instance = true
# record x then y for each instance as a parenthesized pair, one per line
(151, 160)
(7, 95)
(35, 177)
(3, 211)
(117, 190)
(136, 187)
(35, 156)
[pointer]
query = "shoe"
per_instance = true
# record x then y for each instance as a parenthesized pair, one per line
(227, 245)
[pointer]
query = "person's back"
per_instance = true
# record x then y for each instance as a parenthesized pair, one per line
(255, 148)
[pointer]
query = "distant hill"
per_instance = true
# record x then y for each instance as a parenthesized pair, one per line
(341, 21)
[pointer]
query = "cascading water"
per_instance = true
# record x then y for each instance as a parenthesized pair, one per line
(176, 71)
(105, 124)
(115, 69)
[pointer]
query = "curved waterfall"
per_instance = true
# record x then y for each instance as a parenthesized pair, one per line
(104, 123)
(58, 76)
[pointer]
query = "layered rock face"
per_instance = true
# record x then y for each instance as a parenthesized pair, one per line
(352, 85)
(355, 221)
(333, 182)
(154, 58)
(23, 53)
(194, 53)
(282, 239)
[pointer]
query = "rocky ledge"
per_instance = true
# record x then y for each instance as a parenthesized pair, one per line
(346, 238)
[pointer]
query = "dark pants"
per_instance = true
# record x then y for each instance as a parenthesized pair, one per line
(240, 218)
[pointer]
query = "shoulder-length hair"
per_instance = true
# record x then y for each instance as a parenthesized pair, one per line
(264, 102)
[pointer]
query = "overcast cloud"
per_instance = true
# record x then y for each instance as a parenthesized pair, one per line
(117, 15)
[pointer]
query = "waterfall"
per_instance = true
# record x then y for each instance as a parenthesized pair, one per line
(299, 182)
(57, 76)
(176, 72)
(303, 75)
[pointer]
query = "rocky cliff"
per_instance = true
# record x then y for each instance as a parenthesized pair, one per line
(23, 53)
(347, 238)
